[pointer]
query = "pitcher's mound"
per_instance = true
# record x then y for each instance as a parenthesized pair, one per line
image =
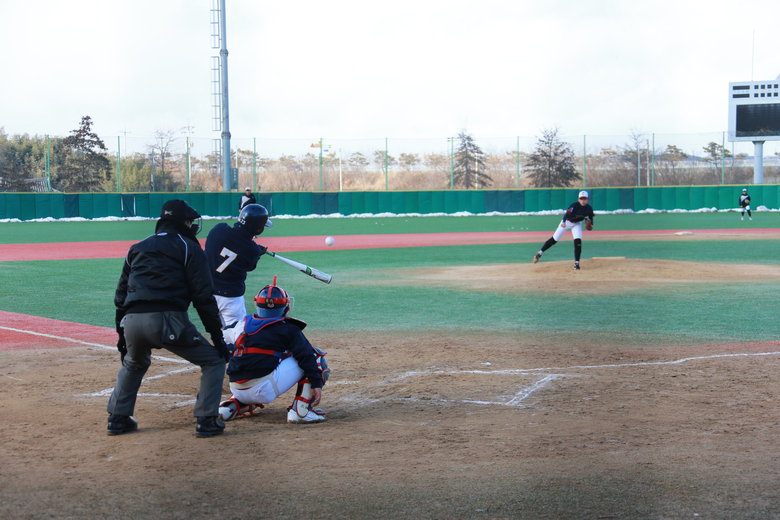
(598, 275)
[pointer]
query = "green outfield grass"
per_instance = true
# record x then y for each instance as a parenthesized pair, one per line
(38, 232)
(366, 296)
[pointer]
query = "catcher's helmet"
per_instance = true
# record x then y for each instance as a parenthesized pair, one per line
(254, 218)
(180, 211)
(272, 301)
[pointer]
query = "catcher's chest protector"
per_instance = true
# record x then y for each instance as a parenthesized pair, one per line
(253, 325)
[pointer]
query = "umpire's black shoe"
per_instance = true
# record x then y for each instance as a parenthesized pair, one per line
(209, 427)
(119, 424)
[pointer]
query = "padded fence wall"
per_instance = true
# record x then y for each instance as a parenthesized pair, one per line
(29, 206)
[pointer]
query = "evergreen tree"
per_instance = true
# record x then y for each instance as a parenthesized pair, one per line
(85, 164)
(552, 164)
(470, 170)
(21, 159)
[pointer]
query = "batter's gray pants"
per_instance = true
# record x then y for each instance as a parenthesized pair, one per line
(143, 331)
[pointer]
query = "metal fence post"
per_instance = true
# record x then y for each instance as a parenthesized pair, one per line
(118, 165)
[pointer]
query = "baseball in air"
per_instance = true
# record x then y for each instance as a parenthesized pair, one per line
(329, 241)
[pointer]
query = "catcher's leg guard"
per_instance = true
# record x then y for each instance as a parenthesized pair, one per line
(235, 409)
(301, 411)
(577, 249)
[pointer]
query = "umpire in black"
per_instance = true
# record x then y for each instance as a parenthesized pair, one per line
(161, 276)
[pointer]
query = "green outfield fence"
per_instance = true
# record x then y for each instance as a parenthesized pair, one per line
(30, 206)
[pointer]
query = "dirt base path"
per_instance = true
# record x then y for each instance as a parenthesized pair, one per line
(431, 426)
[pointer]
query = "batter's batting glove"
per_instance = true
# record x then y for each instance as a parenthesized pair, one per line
(263, 250)
(121, 346)
(221, 347)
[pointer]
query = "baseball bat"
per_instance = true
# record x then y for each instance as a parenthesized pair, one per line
(314, 273)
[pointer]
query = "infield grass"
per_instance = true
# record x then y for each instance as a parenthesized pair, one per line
(82, 290)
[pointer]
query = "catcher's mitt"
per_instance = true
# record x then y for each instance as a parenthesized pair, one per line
(588, 224)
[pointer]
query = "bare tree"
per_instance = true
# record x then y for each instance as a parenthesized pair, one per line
(161, 151)
(715, 155)
(408, 161)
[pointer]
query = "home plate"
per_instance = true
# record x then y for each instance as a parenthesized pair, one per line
(609, 258)
(684, 233)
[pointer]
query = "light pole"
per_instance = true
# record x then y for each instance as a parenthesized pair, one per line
(451, 143)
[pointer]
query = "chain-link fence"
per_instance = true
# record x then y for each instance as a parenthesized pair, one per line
(173, 161)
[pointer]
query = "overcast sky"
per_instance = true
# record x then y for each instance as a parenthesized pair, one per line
(402, 69)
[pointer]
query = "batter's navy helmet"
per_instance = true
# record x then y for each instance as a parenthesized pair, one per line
(272, 301)
(254, 217)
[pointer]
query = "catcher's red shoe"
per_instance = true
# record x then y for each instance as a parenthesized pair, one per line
(235, 409)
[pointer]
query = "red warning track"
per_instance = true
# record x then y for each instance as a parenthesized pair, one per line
(93, 250)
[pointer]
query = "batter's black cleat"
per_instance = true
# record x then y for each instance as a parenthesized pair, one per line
(576, 266)
(119, 424)
(209, 427)
(537, 256)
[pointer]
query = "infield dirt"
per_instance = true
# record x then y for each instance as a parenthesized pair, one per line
(424, 426)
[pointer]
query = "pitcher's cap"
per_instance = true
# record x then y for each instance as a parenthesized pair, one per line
(583, 193)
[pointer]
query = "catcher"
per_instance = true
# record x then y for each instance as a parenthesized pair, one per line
(744, 203)
(271, 356)
(572, 220)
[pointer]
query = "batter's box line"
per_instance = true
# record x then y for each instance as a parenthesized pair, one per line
(87, 343)
(516, 371)
(516, 401)
(107, 391)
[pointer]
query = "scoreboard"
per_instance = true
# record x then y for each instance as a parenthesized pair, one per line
(754, 111)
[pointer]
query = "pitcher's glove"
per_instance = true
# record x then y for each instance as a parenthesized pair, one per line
(588, 224)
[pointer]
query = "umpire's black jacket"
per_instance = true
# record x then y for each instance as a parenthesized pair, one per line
(165, 272)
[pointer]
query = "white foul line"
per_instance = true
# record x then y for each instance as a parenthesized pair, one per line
(72, 340)
(108, 391)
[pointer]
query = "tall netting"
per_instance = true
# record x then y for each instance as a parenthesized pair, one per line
(172, 161)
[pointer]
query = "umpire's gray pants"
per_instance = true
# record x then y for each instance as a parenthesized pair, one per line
(143, 331)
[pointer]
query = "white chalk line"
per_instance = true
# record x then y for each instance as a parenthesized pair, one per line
(107, 391)
(526, 392)
(516, 401)
(87, 343)
(581, 367)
